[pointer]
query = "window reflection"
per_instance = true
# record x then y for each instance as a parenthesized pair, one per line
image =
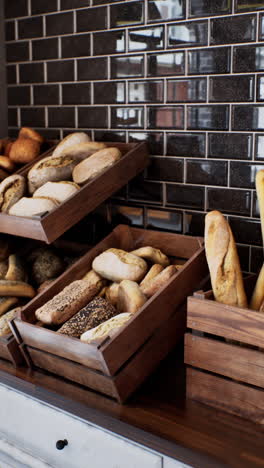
(145, 91)
(127, 66)
(194, 33)
(186, 90)
(165, 117)
(164, 220)
(146, 39)
(166, 64)
(165, 9)
(124, 116)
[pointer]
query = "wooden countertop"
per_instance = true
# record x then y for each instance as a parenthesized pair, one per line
(157, 416)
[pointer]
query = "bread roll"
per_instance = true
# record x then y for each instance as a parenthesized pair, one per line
(223, 261)
(6, 164)
(151, 287)
(112, 325)
(26, 132)
(6, 303)
(93, 166)
(15, 271)
(8, 146)
(152, 254)
(117, 265)
(96, 312)
(50, 169)
(67, 303)
(111, 293)
(94, 279)
(24, 150)
(82, 151)
(70, 140)
(11, 190)
(29, 207)
(5, 319)
(59, 191)
(46, 265)
(130, 297)
(154, 271)
(16, 288)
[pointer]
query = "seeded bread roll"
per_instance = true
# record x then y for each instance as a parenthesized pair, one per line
(223, 261)
(59, 191)
(130, 297)
(50, 169)
(102, 331)
(84, 150)
(6, 303)
(151, 287)
(6, 164)
(11, 190)
(67, 303)
(96, 312)
(70, 140)
(24, 150)
(16, 288)
(26, 132)
(117, 265)
(154, 271)
(93, 278)
(153, 255)
(32, 206)
(93, 166)
(5, 319)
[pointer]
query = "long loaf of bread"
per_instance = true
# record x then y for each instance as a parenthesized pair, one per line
(258, 294)
(223, 261)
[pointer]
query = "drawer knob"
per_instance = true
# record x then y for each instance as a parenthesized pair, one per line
(60, 444)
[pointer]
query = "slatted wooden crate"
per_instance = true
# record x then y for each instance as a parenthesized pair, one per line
(224, 351)
(120, 363)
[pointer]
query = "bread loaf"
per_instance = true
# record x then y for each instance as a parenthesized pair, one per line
(59, 191)
(93, 166)
(223, 261)
(153, 271)
(12, 190)
(258, 294)
(153, 255)
(112, 326)
(117, 265)
(82, 151)
(24, 150)
(6, 303)
(50, 169)
(130, 297)
(5, 319)
(29, 207)
(149, 288)
(27, 132)
(16, 288)
(67, 303)
(96, 312)
(70, 140)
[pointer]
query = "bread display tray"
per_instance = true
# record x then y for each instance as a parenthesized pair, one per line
(9, 349)
(225, 355)
(49, 226)
(118, 364)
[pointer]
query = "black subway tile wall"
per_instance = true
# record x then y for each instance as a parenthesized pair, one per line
(186, 76)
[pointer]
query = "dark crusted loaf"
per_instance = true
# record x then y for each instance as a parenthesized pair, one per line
(96, 312)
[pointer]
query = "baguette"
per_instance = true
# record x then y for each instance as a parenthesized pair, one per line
(93, 166)
(67, 303)
(258, 293)
(151, 287)
(16, 288)
(223, 261)
(70, 140)
(152, 254)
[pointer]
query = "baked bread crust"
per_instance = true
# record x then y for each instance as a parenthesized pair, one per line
(50, 169)
(117, 265)
(27, 132)
(111, 326)
(130, 297)
(12, 190)
(24, 150)
(152, 254)
(93, 166)
(70, 140)
(149, 288)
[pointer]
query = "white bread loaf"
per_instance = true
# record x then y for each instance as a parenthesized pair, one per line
(70, 140)
(29, 207)
(117, 265)
(93, 166)
(59, 191)
(223, 261)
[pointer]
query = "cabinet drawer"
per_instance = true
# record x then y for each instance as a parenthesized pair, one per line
(36, 427)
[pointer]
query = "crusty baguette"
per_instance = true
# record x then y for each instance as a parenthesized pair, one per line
(67, 303)
(151, 287)
(153, 271)
(258, 293)
(130, 297)
(93, 166)
(70, 140)
(152, 254)
(117, 265)
(223, 261)
(16, 288)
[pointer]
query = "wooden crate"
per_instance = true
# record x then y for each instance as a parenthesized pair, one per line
(118, 365)
(49, 226)
(224, 351)
(9, 348)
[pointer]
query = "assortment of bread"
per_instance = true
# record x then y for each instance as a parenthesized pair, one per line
(108, 295)
(75, 161)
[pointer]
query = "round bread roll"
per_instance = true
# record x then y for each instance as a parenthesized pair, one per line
(117, 265)
(47, 265)
(60, 191)
(153, 255)
(6, 164)
(93, 166)
(32, 206)
(130, 297)
(102, 331)
(11, 190)
(70, 140)
(24, 150)
(82, 151)
(50, 169)
(5, 319)
(26, 132)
